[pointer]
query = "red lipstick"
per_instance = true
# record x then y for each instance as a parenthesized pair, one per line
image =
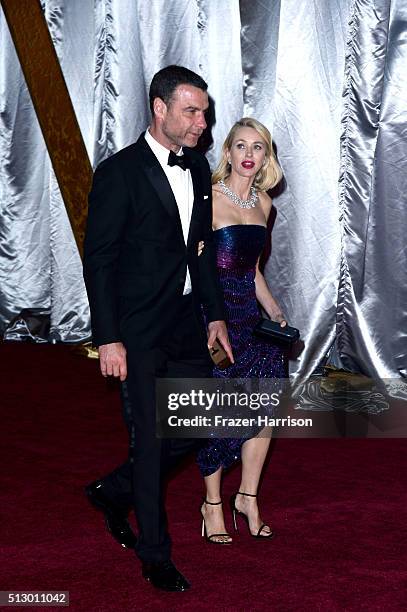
(248, 164)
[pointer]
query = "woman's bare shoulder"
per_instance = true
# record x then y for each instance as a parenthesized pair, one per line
(265, 198)
(217, 193)
(265, 202)
(216, 190)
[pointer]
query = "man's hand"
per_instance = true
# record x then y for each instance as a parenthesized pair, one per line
(112, 358)
(217, 329)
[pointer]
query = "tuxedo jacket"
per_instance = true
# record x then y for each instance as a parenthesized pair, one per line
(135, 256)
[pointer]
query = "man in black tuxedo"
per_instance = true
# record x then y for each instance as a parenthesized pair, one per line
(150, 208)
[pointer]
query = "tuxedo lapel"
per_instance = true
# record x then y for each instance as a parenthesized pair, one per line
(198, 192)
(159, 181)
(161, 185)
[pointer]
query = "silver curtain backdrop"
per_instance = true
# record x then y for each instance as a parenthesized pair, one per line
(328, 77)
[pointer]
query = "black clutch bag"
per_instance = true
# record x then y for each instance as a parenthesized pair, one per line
(273, 332)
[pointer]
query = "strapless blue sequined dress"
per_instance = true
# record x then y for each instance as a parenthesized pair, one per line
(238, 248)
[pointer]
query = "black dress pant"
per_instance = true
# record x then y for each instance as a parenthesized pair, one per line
(139, 482)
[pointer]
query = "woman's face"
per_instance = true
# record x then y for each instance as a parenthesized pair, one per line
(247, 153)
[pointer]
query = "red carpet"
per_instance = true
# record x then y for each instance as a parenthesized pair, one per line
(339, 508)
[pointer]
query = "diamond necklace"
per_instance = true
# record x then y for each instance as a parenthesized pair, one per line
(250, 203)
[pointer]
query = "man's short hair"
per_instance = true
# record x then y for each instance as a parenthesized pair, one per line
(166, 81)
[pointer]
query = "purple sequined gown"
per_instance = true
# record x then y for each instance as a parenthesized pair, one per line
(238, 248)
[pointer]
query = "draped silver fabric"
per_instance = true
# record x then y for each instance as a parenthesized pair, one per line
(329, 80)
(306, 61)
(372, 300)
(25, 254)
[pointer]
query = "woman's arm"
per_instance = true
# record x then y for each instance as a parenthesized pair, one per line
(263, 293)
(264, 296)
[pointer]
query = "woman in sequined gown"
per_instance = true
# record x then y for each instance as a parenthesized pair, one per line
(241, 208)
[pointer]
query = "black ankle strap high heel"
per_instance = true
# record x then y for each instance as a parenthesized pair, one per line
(235, 512)
(213, 535)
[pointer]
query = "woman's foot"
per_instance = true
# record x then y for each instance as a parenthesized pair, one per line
(214, 523)
(247, 504)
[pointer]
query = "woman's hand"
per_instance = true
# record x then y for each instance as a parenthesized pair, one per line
(201, 245)
(277, 315)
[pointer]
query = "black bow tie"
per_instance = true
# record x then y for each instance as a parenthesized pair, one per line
(178, 160)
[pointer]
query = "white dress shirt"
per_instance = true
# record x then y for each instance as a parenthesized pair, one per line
(181, 184)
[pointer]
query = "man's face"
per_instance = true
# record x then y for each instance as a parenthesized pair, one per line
(182, 121)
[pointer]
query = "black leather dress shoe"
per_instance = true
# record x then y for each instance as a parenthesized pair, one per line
(116, 521)
(164, 575)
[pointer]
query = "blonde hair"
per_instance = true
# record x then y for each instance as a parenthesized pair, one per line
(269, 175)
